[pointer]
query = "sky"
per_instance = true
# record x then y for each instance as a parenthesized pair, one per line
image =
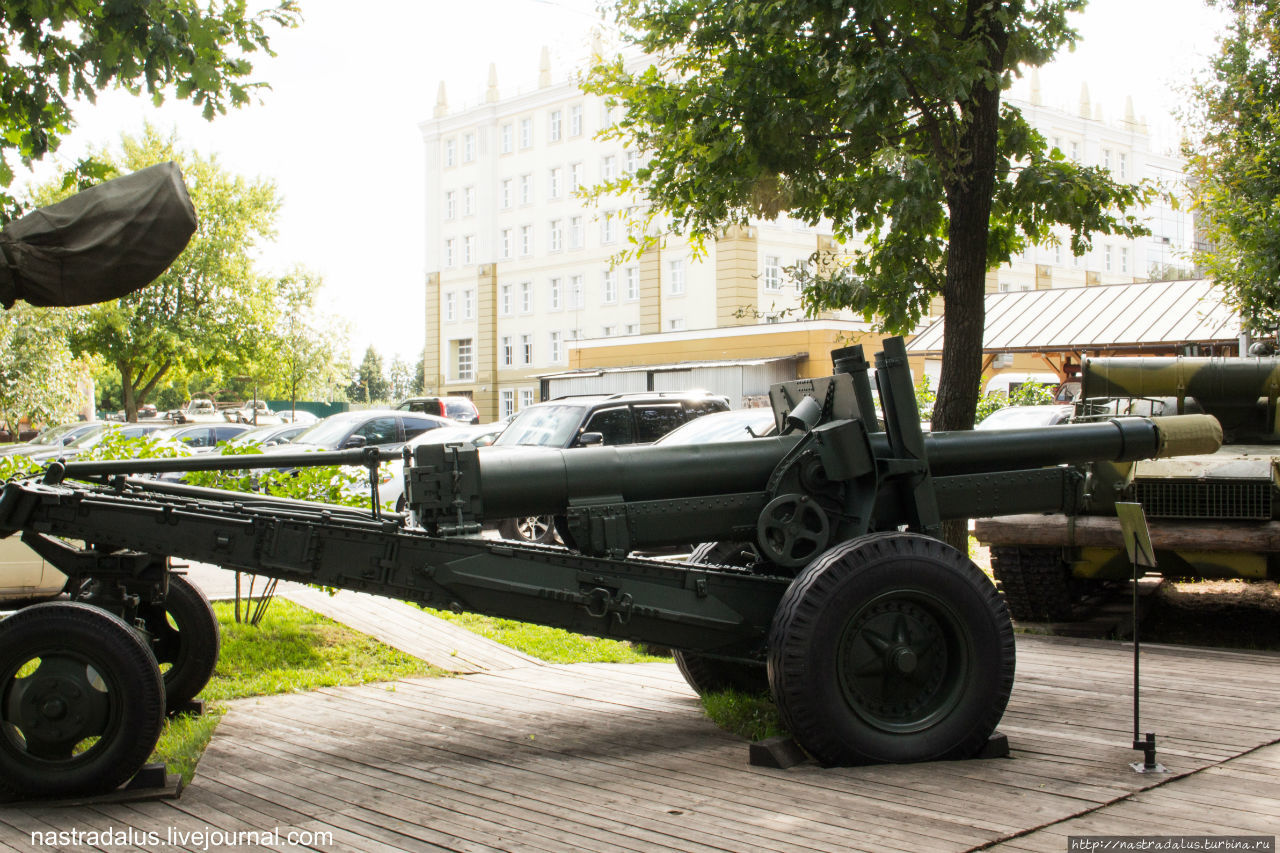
(338, 131)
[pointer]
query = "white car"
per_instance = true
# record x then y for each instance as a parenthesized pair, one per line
(24, 576)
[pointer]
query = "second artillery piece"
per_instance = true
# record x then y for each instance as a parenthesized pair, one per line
(820, 579)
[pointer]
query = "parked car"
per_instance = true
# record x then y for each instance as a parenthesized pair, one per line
(596, 420)
(267, 436)
(738, 425)
(253, 412)
(203, 438)
(385, 428)
(1016, 417)
(297, 416)
(456, 408)
(24, 576)
(198, 410)
(53, 437)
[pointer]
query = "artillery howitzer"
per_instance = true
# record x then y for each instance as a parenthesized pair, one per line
(822, 579)
(1212, 515)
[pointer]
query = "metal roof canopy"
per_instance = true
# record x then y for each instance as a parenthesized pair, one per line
(1147, 316)
(677, 365)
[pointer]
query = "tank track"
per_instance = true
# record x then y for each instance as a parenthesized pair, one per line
(1035, 581)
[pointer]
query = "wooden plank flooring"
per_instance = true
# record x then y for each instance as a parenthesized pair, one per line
(605, 758)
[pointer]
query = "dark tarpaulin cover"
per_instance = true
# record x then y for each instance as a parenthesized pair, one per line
(99, 244)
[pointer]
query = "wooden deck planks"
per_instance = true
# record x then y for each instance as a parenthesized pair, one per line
(601, 758)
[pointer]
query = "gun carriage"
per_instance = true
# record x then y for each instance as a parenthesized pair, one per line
(820, 579)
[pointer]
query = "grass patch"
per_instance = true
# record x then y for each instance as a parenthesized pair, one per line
(747, 715)
(296, 649)
(552, 645)
(293, 649)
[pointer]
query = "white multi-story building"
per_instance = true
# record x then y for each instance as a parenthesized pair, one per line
(521, 269)
(1125, 148)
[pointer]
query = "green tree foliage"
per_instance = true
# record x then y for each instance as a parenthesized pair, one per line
(369, 385)
(38, 372)
(1235, 181)
(210, 312)
(399, 379)
(57, 51)
(305, 357)
(883, 117)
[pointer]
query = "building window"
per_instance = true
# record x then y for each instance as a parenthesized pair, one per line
(526, 348)
(506, 402)
(507, 351)
(577, 299)
(450, 152)
(609, 287)
(468, 249)
(526, 133)
(607, 228)
(608, 331)
(450, 307)
(448, 252)
(606, 115)
(575, 120)
(1106, 258)
(1106, 159)
(463, 365)
(506, 243)
(468, 147)
(526, 297)
(607, 166)
(772, 273)
(526, 239)
(633, 328)
(633, 283)
(506, 194)
(556, 237)
(675, 324)
(468, 201)
(1075, 151)
(468, 304)
(1124, 259)
(557, 347)
(633, 162)
(553, 126)
(508, 136)
(553, 183)
(556, 303)
(575, 232)
(676, 277)
(526, 189)
(450, 204)
(575, 177)
(1124, 166)
(504, 300)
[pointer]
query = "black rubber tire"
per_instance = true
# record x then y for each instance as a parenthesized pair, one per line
(892, 647)
(92, 665)
(1036, 582)
(713, 675)
(521, 529)
(189, 640)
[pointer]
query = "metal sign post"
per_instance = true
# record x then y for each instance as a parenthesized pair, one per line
(1137, 542)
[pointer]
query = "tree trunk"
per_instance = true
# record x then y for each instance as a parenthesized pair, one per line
(127, 398)
(969, 212)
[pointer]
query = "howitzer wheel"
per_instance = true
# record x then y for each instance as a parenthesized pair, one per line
(714, 675)
(892, 647)
(81, 701)
(185, 639)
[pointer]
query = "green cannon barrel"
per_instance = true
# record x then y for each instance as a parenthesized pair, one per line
(541, 482)
(1208, 380)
